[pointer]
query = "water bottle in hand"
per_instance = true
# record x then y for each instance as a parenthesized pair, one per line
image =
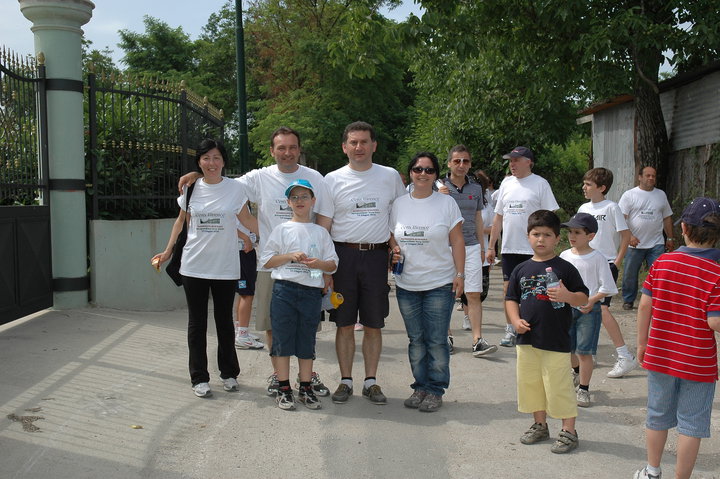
(552, 281)
(313, 252)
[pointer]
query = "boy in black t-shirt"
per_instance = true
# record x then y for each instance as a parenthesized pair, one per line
(542, 317)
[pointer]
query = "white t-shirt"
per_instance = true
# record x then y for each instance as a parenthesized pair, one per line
(266, 188)
(610, 222)
(211, 250)
(422, 230)
(293, 236)
(594, 271)
(645, 212)
(517, 199)
(362, 202)
(487, 215)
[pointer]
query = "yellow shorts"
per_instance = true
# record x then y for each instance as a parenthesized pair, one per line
(544, 382)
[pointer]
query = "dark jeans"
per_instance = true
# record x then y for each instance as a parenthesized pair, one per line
(197, 291)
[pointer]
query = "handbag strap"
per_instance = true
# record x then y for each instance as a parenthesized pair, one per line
(187, 203)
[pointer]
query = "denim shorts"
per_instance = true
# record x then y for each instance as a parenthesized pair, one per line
(585, 330)
(295, 315)
(679, 402)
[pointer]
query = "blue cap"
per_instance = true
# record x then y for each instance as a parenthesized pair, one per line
(699, 209)
(301, 183)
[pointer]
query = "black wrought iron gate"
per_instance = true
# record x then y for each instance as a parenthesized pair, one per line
(25, 248)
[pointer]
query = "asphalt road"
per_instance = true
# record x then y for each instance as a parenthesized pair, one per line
(104, 393)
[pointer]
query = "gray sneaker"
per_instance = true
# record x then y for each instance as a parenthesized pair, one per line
(583, 397)
(644, 474)
(431, 403)
(509, 339)
(536, 433)
(342, 394)
(202, 390)
(230, 384)
(273, 385)
(565, 442)
(374, 394)
(414, 401)
(481, 348)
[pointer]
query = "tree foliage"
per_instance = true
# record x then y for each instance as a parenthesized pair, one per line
(161, 49)
(571, 53)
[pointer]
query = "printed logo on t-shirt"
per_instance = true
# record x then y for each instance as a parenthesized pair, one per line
(209, 222)
(413, 235)
(534, 286)
(515, 208)
(646, 214)
(282, 209)
(365, 206)
(601, 217)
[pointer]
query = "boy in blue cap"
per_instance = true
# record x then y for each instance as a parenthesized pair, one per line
(298, 252)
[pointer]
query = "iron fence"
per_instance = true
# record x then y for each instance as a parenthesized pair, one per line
(141, 137)
(23, 132)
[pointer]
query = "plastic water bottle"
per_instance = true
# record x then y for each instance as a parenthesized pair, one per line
(313, 252)
(552, 281)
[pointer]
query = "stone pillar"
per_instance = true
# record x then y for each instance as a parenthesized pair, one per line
(56, 25)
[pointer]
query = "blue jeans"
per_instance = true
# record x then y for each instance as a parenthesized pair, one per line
(631, 267)
(427, 318)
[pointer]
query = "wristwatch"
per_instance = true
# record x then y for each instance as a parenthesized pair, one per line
(460, 275)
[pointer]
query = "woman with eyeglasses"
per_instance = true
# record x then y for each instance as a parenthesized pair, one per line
(427, 238)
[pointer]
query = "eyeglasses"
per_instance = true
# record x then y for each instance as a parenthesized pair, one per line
(419, 169)
(299, 197)
(464, 161)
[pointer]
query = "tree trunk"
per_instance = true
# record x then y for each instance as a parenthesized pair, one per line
(653, 147)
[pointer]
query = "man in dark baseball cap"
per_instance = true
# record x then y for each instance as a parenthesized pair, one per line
(519, 151)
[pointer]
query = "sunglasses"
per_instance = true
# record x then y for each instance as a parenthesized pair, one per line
(464, 161)
(419, 169)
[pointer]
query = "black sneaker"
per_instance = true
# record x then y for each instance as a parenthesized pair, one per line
(342, 393)
(481, 348)
(451, 344)
(317, 385)
(273, 385)
(308, 398)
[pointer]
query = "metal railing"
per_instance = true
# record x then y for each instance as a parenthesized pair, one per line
(142, 132)
(23, 131)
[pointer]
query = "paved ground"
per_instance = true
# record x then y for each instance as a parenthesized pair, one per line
(104, 393)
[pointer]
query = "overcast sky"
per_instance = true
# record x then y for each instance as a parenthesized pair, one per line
(109, 16)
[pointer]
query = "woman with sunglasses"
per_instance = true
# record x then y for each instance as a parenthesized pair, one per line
(423, 223)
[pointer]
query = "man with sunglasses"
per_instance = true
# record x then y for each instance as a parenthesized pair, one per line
(362, 193)
(519, 195)
(470, 199)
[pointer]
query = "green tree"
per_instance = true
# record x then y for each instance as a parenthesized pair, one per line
(591, 49)
(317, 66)
(161, 49)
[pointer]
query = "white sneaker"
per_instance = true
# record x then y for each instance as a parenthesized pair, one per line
(644, 474)
(230, 384)
(622, 367)
(583, 398)
(248, 342)
(466, 323)
(202, 390)
(254, 336)
(509, 339)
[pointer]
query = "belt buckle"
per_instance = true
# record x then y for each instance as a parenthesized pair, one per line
(369, 246)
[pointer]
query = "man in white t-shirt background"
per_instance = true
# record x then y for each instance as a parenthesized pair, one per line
(519, 195)
(362, 193)
(648, 214)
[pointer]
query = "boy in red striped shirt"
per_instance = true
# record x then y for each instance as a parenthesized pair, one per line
(678, 315)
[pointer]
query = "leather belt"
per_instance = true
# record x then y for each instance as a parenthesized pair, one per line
(363, 246)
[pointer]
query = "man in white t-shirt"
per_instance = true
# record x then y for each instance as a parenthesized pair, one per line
(362, 193)
(519, 196)
(266, 188)
(648, 214)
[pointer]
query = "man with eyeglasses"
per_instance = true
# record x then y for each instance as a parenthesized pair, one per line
(362, 193)
(519, 195)
(266, 188)
(470, 199)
